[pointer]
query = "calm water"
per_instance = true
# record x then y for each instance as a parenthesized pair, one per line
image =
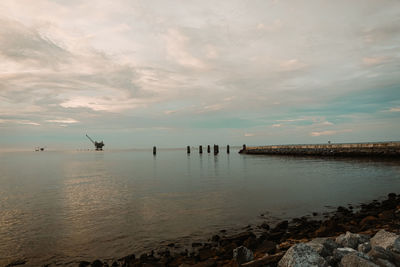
(69, 206)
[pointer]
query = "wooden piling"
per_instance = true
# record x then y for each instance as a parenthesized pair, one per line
(208, 149)
(216, 149)
(154, 150)
(227, 149)
(188, 149)
(201, 149)
(244, 147)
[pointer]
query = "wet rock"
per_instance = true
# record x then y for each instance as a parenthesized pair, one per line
(323, 246)
(386, 215)
(196, 244)
(267, 246)
(355, 260)
(351, 240)
(206, 253)
(266, 260)
(97, 263)
(84, 263)
(16, 263)
(385, 239)
(283, 225)
(367, 221)
(301, 255)
(215, 238)
(364, 247)
(243, 254)
(265, 226)
(238, 239)
(171, 245)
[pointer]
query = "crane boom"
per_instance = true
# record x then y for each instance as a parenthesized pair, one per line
(90, 139)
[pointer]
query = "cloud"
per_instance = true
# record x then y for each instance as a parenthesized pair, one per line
(276, 125)
(176, 44)
(397, 109)
(321, 133)
(63, 121)
(372, 61)
(22, 122)
(249, 134)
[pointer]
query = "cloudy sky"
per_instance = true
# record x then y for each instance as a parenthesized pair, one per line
(137, 73)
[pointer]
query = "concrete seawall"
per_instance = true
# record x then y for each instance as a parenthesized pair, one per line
(381, 149)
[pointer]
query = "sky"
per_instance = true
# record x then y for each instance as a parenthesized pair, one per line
(138, 73)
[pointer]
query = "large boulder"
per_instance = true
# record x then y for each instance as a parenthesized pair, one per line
(386, 239)
(355, 260)
(381, 253)
(242, 254)
(302, 255)
(323, 246)
(351, 240)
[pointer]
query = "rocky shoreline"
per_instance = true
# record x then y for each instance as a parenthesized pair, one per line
(366, 237)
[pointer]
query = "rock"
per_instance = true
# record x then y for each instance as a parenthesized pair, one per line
(267, 246)
(323, 246)
(264, 261)
(206, 253)
(251, 242)
(384, 263)
(283, 225)
(351, 240)
(369, 220)
(84, 263)
(97, 263)
(339, 253)
(243, 254)
(265, 226)
(301, 255)
(386, 215)
(196, 244)
(16, 263)
(380, 253)
(207, 263)
(364, 247)
(384, 239)
(395, 247)
(238, 239)
(355, 260)
(215, 238)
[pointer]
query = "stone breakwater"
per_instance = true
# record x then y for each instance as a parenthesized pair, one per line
(384, 149)
(366, 237)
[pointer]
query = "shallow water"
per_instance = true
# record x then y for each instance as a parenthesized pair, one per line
(69, 206)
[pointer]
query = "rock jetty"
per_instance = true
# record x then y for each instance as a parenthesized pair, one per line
(382, 149)
(366, 237)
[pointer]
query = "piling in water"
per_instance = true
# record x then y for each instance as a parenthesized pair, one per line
(201, 149)
(216, 149)
(154, 150)
(227, 149)
(188, 149)
(208, 149)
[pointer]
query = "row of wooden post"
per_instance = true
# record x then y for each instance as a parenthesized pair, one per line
(216, 149)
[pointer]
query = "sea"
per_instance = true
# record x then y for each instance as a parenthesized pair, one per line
(62, 207)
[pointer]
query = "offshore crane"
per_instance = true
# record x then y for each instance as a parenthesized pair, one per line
(98, 145)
